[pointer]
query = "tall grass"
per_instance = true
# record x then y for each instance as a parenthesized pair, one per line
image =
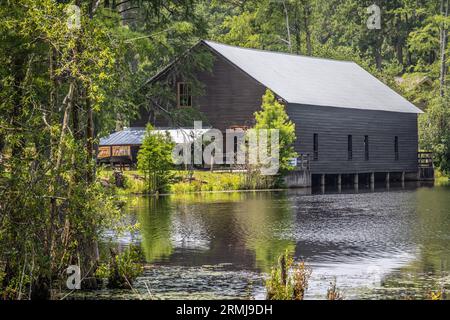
(196, 181)
(215, 181)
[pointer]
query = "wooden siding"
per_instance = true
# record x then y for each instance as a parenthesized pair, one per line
(231, 96)
(333, 125)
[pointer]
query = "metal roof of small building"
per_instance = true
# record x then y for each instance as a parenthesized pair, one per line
(135, 136)
(315, 81)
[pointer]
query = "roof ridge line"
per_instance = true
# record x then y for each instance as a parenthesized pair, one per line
(279, 52)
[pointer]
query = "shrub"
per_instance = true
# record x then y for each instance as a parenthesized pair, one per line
(155, 160)
(123, 269)
(288, 281)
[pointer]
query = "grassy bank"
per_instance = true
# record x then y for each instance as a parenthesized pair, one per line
(187, 182)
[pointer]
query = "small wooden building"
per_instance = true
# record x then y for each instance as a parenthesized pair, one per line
(122, 147)
(347, 121)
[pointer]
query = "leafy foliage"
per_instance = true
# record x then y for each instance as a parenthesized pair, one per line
(123, 269)
(155, 160)
(59, 87)
(288, 281)
(273, 116)
(435, 132)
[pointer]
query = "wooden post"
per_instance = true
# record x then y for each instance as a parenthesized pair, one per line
(372, 181)
(388, 178)
(322, 180)
(403, 179)
(339, 182)
(356, 181)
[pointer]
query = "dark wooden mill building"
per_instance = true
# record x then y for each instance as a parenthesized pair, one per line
(349, 124)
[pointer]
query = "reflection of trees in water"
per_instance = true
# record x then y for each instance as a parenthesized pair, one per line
(246, 227)
(238, 228)
(431, 231)
(433, 214)
(155, 219)
(265, 218)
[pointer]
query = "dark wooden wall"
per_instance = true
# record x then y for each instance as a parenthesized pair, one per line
(231, 96)
(333, 125)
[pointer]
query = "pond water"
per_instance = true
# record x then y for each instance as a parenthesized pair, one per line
(376, 244)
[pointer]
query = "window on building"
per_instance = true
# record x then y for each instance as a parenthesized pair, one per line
(316, 146)
(350, 147)
(366, 148)
(184, 95)
(396, 148)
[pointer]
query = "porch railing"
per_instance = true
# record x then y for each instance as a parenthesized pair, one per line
(303, 161)
(425, 159)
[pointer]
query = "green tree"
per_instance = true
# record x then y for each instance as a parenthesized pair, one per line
(273, 116)
(435, 132)
(155, 160)
(60, 84)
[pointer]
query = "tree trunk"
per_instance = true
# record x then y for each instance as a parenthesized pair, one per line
(288, 27)
(89, 140)
(2, 146)
(298, 42)
(443, 45)
(68, 101)
(399, 51)
(377, 51)
(19, 76)
(307, 16)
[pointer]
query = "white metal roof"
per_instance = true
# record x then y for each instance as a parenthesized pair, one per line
(134, 136)
(315, 81)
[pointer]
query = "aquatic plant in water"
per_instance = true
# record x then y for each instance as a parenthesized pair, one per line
(123, 269)
(288, 281)
(333, 293)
